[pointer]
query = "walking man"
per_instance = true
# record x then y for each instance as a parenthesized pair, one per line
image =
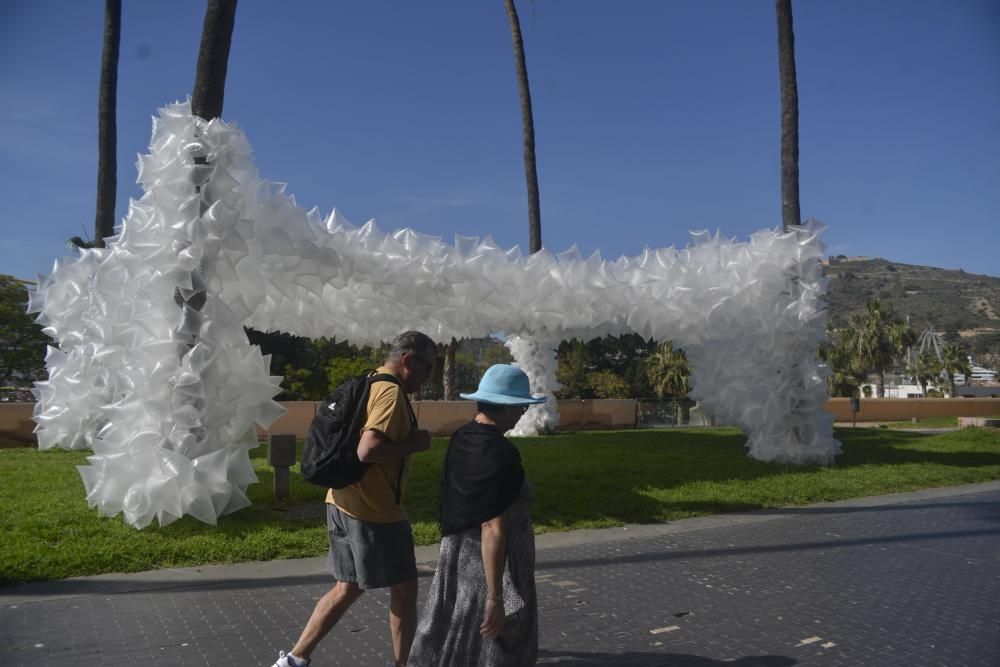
(371, 541)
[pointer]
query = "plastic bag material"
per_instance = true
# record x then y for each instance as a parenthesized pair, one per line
(149, 330)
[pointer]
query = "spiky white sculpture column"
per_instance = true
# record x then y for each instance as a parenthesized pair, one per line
(536, 355)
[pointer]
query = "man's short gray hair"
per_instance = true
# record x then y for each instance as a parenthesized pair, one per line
(412, 342)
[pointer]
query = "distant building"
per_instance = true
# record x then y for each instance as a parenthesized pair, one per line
(979, 375)
(898, 390)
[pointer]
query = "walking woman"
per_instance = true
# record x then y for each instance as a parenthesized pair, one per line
(481, 609)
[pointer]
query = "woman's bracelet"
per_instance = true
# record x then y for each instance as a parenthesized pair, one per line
(494, 598)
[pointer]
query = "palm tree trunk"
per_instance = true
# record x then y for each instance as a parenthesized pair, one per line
(528, 128)
(206, 100)
(448, 373)
(107, 126)
(790, 213)
(881, 383)
(213, 59)
(206, 103)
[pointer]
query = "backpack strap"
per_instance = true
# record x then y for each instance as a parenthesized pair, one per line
(386, 377)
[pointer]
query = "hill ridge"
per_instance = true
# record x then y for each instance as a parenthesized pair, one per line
(963, 307)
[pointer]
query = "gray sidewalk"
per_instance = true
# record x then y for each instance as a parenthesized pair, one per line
(906, 579)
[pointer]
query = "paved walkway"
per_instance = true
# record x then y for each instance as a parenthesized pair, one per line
(909, 579)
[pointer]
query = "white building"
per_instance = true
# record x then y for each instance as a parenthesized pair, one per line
(894, 390)
(979, 375)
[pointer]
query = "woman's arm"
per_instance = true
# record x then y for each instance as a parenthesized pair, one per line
(494, 557)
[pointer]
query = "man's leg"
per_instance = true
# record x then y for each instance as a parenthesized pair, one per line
(328, 611)
(403, 619)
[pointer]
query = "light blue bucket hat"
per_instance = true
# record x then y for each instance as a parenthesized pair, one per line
(504, 384)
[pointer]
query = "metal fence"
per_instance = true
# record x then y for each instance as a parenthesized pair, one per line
(654, 413)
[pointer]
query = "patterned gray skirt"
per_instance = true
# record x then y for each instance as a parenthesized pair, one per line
(448, 631)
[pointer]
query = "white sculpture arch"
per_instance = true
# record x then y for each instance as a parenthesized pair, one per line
(167, 396)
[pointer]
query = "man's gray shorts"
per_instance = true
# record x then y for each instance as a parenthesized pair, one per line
(371, 555)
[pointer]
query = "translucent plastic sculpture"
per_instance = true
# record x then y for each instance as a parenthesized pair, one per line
(155, 374)
(538, 360)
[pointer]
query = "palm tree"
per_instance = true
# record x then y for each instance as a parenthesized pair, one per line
(953, 361)
(669, 371)
(213, 59)
(877, 337)
(209, 90)
(924, 369)
(790, 214)
(528, 128)
(846, 375)
(107, 127)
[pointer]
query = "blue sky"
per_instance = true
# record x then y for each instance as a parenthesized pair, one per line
(651, 117)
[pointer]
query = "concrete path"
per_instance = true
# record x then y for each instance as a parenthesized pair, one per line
(907, 579)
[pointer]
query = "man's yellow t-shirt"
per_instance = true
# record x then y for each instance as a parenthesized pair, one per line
(373, 497)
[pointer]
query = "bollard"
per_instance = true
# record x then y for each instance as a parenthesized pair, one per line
(281, 455)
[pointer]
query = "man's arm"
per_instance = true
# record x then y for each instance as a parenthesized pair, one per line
(388, 419)
(375, 446)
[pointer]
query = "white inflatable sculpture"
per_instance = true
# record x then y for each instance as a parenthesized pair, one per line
(167, 394)
(539, 361)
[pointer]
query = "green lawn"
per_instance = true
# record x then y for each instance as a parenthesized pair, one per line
(582, 480)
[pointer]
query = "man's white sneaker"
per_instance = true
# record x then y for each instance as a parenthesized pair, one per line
(287, 660)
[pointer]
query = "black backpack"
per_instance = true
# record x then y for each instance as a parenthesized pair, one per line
(330, 456)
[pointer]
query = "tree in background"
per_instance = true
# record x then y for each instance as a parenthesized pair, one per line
(924, 369)
(572, 370)
(846, 373)
(528, 129)
(311, 368)
(626, 357)
(954, 360)
(607, 384)
(582, 367)
(467, 371)
(496, 354)
(669, 371)
(22, 343)
(877, 338)
(790, 213)
(341, 369)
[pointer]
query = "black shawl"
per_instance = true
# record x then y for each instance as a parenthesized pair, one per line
(482, 477)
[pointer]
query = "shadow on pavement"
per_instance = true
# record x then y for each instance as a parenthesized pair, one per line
(636, 659)
(65, 588)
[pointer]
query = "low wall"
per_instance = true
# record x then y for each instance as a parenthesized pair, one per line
(443, 417)
(905, 409)
(16, 426)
